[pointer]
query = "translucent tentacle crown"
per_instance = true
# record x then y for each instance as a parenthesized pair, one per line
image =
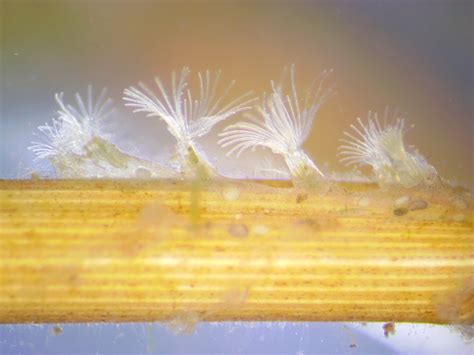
(381, 146)
(282, 124)
(77, 146)
(188, 118)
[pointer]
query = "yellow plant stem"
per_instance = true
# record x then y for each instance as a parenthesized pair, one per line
(74, 251)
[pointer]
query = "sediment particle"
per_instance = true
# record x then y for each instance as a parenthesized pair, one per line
(260, 229)
(184, 323)
(402, 201)
(418, 205)
(231, 193)
(460, 204)
(35, 176)
(364, 202)
(308, 222)
(57, 330)
(238, 230)
(458, 217)
(454, 307)
(400, 211)
(301, 197)
(389, 329)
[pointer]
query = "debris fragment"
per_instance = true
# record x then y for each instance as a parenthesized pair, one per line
(458, 217)
(184, 323)
(236, 298)
(57, 330)
(35, 176)
(260, 229)
(158, 216)
(318, 225)
(301, 197)
(353, 343)
(238, 230)
(455, 305)
(460, 204)
(402, 201)
(364, 202)
(418, 205)
(231, 193)
(309, 223)
(400, 211)
(389, 329)
(466, 331)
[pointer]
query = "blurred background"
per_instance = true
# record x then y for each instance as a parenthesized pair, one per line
(413, 55)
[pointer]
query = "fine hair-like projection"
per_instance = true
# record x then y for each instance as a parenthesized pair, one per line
(282, 123)
(187, 117)
(74, 126)
(382, 147)
(76, 145)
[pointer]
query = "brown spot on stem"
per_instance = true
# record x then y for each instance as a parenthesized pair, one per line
(400, 211)
(301, 197)
(418, 205)
(238, 230)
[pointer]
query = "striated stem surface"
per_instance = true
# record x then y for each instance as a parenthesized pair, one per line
(73, 251)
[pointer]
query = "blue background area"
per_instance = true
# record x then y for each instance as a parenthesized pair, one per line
(208, 338)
